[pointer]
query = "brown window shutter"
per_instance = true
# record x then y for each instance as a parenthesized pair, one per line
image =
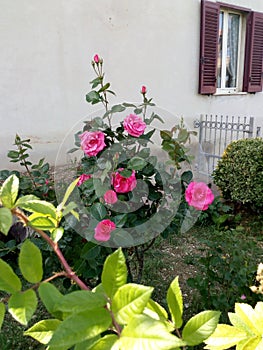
(254, 53)
(208, 46)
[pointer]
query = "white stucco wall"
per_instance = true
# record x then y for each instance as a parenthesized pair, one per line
(47, 46)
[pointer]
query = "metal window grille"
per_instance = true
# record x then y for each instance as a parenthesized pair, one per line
(215, 133)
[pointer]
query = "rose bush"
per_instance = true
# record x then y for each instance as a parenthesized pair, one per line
(130, 186)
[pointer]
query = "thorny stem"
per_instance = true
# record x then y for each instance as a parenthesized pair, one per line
(68, 271)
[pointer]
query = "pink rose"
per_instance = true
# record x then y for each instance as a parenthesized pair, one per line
(110, 197)
(199, 195)
(83, 178)
(96, 58)
(92, 142)
(103, 230)
(134, 125)
(123, 184)
(143, 90)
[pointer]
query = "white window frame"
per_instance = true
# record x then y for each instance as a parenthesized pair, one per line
(241, 53)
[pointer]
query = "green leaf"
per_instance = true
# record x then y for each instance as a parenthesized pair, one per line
(30, 262)
(57, 234)
(34, 205)
(144, 153)
(2, 314)
(224, 337)
(137, 163)
(183, 135)
(81, 300)
(125, 104)
(239, 323)
(9, 281)
(166, 135)
(68, 192)
(117, 108)
(104, 87)
(145, 333)
(105, 343)
(69, 208)
(138, 111)
(200, 327)
(158, 309)
(114, 274)
(6, 220)
(254, 343)
(130, 300)
(187, 176)
(9, 191)
(41, 222)
(93, 97)
(43, 331)
(13, 154)
(87, 344)
(249, 317)
(125, 173)
(259, 316)
(95, 82)
(98, 211)
(175, 302)
(50, 297)
(81, 326)
(22, 305)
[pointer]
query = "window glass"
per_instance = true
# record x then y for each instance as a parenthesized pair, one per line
(220, 47)
(228, 50)
(232, 50)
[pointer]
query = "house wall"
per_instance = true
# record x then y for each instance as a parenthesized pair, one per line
(47, 47)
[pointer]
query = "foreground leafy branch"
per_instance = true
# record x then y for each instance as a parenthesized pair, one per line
(114, 315)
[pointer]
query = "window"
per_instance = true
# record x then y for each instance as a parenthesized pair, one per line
(231, 52)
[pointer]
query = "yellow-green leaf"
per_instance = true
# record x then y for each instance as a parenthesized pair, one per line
(9, 191)
(41, 222)
(30, 262)
(22, 305)
(6, 220)
(145, 333)
(81, 326)
(35, 205)
(200, 327)
(224, 337)
(2, 314)
(175, 302)
(248, 315)
(9, 281)
(50, 296)
(43, 330)
(114, 274)
(130, 300)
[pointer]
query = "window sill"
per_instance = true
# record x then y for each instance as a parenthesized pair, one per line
(229, 93)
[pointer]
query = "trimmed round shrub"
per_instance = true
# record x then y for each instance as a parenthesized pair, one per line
(239, 174)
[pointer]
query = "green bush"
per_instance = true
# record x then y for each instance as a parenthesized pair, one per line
(239, 174)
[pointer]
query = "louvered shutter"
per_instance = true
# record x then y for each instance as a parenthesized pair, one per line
(208, 47)
(254, 53)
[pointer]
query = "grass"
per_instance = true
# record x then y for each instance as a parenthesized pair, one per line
(182, 255)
